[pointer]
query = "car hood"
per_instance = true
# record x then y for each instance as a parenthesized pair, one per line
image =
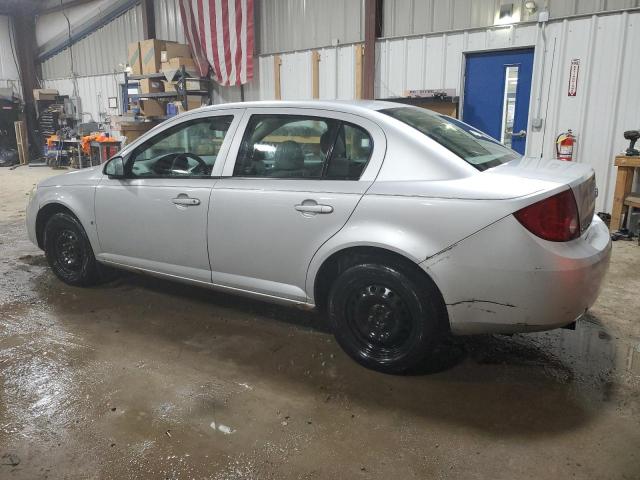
(86, 176)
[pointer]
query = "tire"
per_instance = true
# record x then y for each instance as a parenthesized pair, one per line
(69, 252)
(385, 316)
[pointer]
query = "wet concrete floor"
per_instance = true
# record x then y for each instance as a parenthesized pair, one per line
(143, 378)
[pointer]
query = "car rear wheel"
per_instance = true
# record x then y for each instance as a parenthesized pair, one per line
(69, 252)
(385, 316)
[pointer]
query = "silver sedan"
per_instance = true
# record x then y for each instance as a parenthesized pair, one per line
(401, 224)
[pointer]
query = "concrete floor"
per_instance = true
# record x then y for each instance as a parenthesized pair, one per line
(143, 378)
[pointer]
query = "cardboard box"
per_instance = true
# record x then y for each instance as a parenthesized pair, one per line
(149, 85)
(173, 50)
(150, 53)
(153, 108)
(45, 93)
(195, 84)
(171, 67)
(191, 84)
(169, 86)
(193, 101)
(133, 58)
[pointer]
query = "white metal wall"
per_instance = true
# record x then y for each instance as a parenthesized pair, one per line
(9, 77)
(94, 91)
(101, 52)
(284, 25)
(408, 17)
(607, 103)
(168, 23)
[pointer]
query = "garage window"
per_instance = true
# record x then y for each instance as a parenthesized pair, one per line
(291, 146)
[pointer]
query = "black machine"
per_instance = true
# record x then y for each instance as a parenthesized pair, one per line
(10, 109)
(633, 136)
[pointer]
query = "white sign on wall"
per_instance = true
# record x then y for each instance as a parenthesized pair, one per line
(573, 77)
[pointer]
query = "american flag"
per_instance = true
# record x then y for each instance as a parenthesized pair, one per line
(220, 34)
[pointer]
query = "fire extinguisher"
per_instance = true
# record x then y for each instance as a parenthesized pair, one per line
(565, 144)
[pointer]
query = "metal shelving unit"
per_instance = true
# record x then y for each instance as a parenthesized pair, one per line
(181, 92)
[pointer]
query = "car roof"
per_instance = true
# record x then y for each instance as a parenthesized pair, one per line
(349, 106)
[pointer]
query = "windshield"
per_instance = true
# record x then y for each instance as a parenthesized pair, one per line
(473, 146)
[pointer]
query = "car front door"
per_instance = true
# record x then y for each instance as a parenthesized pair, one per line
(291, 181)
(155, 218)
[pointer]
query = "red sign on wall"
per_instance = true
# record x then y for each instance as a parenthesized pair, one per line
(573, 77)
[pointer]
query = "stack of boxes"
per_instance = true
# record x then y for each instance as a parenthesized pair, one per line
(161, 56)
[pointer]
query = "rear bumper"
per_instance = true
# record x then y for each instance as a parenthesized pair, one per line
(504, 279)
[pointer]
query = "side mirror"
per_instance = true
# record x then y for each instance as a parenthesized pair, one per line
(114, 168)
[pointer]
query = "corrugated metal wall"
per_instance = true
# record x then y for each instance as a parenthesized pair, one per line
(9, 77)
(98, 58)
(94, 91)
(168, 23)
(608, 97)
(284, 25)
(409, 17)
(101, 52)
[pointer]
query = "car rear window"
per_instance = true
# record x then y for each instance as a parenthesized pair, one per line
(470, 144)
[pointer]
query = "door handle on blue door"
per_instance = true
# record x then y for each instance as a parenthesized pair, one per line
(309, 207)
(520, 134)
(184, 200)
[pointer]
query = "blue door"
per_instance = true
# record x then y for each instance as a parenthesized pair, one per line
(497, 89)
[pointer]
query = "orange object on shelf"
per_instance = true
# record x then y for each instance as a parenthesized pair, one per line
(97, 137)
(51, 140)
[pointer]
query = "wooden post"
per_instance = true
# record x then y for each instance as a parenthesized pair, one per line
(277, 62)
(315, 74)
(372, 13)
(359, 72)
(21, 142)
(624, 183)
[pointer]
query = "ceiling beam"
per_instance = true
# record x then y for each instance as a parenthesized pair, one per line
(64, 6)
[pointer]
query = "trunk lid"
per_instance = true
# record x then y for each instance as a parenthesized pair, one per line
(579, 176)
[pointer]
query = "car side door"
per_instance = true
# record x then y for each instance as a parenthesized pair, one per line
(291, 181)
(155, 218)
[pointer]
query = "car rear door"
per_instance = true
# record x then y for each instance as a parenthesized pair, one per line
(291, 181)
(156, 218)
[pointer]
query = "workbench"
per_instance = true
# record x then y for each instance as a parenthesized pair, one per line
(623, 197)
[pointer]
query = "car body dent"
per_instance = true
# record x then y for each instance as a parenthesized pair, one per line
(503, 273)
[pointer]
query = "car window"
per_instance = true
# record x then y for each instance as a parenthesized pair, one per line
(284, 146)
(189, 149)
(292, 146)
(351, 151)
(470, 144)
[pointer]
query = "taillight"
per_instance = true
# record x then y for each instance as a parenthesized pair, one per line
(554, 218)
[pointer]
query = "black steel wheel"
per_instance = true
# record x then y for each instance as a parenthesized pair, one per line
(69, 252)
(385, 316)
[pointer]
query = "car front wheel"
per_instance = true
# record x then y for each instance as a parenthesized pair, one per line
(69, 252)
(386, 316)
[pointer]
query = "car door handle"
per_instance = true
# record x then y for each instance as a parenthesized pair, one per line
(185, 201)
(314, 208)
(520, 134)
